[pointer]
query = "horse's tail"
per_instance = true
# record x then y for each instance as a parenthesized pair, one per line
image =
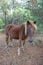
(7, 36)
(8, 27)
(7, 39)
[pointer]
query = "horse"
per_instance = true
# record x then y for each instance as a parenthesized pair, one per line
(19, 32)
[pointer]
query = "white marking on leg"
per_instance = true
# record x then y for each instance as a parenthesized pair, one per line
(18, 51)
(23, 48)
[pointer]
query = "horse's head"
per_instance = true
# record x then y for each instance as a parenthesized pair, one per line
(31, 28)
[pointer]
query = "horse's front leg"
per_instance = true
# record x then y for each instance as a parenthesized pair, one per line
(23, 45)
(20, 40)
(19, 47)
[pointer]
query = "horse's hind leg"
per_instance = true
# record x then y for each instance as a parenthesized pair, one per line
(7, 39)
(10, 38)
(23, 42)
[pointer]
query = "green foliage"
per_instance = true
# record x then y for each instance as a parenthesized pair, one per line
(1, 22)
(15, 12)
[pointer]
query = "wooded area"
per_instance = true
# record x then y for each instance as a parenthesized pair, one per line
(19, 11)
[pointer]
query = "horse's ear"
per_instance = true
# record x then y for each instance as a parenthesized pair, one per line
(28, 22)
(34, 22)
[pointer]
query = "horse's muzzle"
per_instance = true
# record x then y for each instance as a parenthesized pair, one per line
(30, 41)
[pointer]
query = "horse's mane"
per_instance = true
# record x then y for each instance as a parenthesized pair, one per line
(25, 24)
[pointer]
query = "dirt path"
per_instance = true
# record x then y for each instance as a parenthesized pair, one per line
(32, 55)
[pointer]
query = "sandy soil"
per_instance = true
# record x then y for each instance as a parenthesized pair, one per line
(32, 55)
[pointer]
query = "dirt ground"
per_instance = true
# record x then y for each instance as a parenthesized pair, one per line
(32, 55)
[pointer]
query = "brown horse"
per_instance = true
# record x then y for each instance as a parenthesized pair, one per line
(20, 32)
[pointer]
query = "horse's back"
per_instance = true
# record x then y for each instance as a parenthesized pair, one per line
(13, 26)
(14, 30)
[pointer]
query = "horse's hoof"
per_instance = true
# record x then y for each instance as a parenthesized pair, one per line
(30, 41)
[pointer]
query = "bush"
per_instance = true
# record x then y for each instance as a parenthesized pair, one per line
(1, 22)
